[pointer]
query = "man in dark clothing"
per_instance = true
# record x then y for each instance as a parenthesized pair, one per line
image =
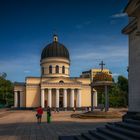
(48, 114)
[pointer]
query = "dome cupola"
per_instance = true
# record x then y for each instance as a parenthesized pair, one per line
(55, 60)
(55, 49)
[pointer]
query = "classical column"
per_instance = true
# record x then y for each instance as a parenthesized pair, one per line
(78, 98)
(57, 98)
(72, 98)
(106, 99)
(65, 98)
(92, 92)
(21, 98)
(95, 99)
(49, 97)
(15, 99)
(42, 98)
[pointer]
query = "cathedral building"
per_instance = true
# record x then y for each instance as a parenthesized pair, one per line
(55, 87)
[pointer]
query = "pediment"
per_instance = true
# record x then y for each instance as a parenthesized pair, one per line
(62, 80)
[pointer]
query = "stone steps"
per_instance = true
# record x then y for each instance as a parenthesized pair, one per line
(66, 138)
(127, 130)
(113, 134)
(128, 126)
(122, 132)
(79, 137)
(88, 136)
(99, 135)
(132, 121)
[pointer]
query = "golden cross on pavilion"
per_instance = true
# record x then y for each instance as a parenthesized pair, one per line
(102, 65)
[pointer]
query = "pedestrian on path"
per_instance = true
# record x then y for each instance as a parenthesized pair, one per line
(39, 114)
(48, 114)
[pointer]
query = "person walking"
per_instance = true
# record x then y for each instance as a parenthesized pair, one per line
(39, 114)
(48, 114)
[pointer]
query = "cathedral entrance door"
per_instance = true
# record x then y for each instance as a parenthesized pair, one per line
(46, 104)
(18, 101)
(74, 103)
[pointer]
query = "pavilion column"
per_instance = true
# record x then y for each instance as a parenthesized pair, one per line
(21, 98)
(95, 100)
(15, 99)
(65, 98)
(72, 98)
(106, 99)
(78, 98)
(49, 97)
(57, 98)
(42, 98)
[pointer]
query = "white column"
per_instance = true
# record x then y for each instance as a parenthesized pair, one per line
(57, 98)
(49, 97)
(15, 99)
(95, 100)
(78, 98)
(106, 99)
(21, 98)
(72, 98)
(42, 98)
(65, 98)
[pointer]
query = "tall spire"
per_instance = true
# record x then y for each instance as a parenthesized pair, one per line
(55, 38)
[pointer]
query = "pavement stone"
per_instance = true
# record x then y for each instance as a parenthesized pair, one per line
(22, 125)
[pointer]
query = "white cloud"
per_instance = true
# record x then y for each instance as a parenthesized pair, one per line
(119, 15)
(17, 69)
(105, 52)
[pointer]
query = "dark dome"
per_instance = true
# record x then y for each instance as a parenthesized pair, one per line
(55, 49)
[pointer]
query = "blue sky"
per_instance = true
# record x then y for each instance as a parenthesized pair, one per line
(90, 29)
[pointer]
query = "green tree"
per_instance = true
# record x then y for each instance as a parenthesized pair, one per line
(118, 94)
(123, 86)
(123, 83)
(6, 91)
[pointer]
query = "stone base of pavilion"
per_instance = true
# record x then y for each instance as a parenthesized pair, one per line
(98, 115)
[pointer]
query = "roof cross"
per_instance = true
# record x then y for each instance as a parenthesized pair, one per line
(102, 65)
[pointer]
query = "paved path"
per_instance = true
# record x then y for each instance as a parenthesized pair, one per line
(21, 125)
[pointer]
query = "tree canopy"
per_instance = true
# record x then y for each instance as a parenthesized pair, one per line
(6, 91)
(118, 95)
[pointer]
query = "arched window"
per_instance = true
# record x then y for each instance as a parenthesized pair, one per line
(57, 69)
(61, 81)
(50, 69)
(63, 69)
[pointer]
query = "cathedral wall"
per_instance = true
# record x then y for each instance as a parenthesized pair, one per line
(84, 80)
(46, 68)
(86, 96)
(32, 96)
(22, 90)
(55, 62)
(32, 80)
